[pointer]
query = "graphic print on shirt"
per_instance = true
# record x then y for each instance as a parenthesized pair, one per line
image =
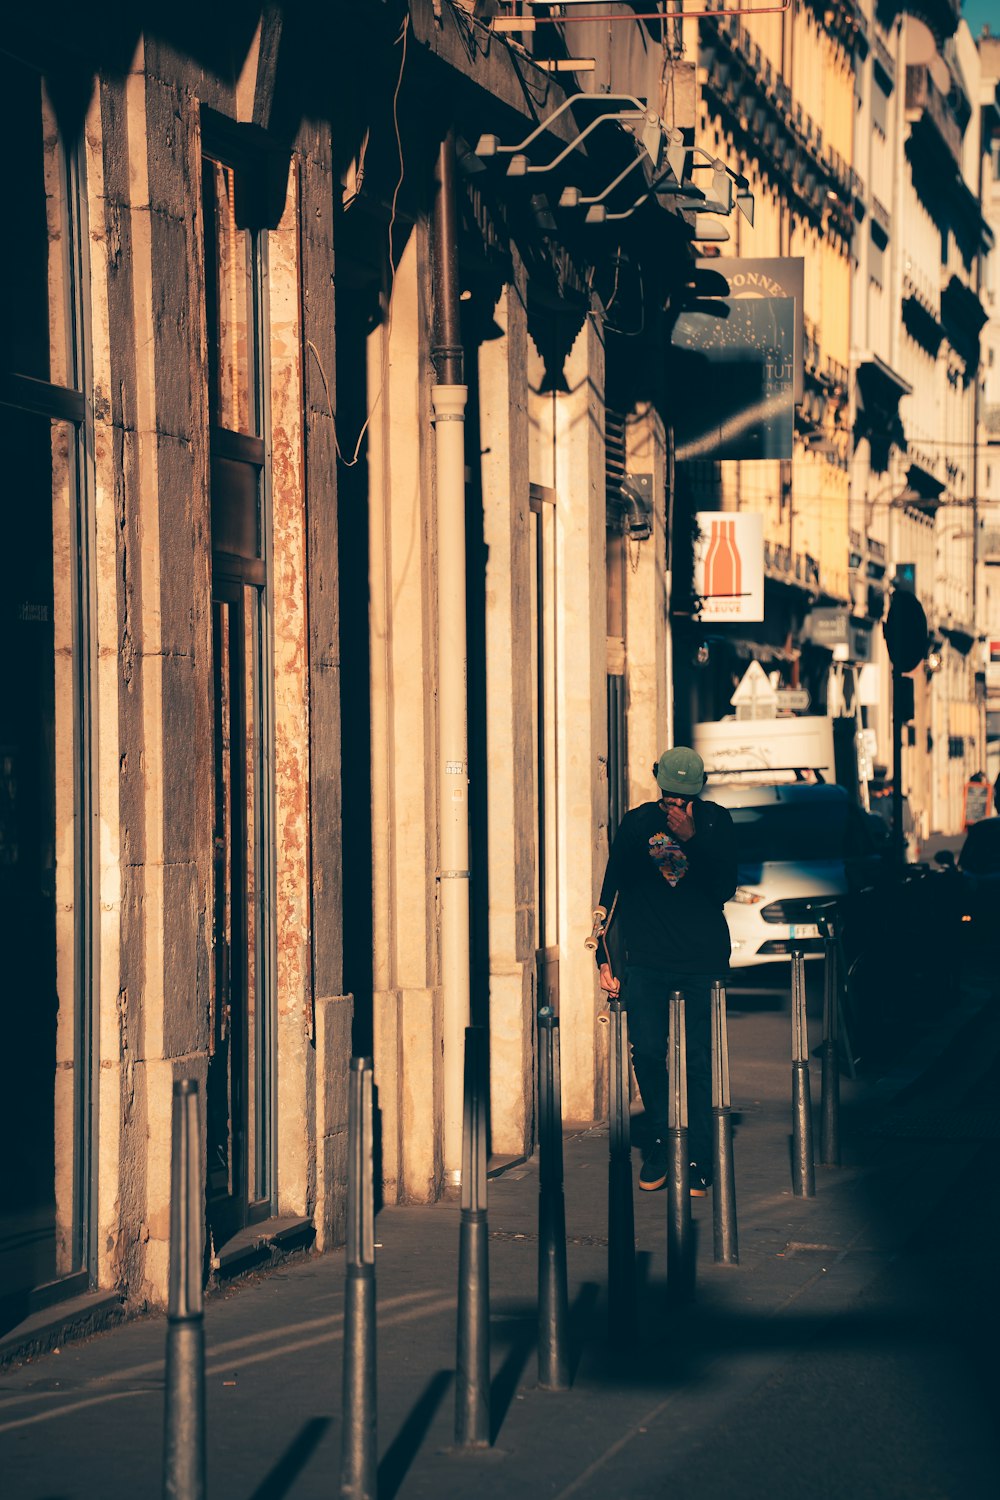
(669, 858)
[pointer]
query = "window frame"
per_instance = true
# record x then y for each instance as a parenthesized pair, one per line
(73, 406)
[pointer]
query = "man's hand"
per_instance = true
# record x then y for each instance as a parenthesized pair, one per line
(680, 821)
(609, 984)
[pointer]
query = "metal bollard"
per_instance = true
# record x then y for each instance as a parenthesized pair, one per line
(680, 1259)
(829, 1138)
(184, 1405)
(359, 1454)
(803, 1175)
(727, 1250)
(553, 1298)
(621, 1211)
(472, 1386)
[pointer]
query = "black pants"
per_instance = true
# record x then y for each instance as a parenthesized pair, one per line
(646, 993)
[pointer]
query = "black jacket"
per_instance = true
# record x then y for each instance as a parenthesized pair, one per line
(664, 897)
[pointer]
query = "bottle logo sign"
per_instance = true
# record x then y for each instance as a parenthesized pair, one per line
(729, 566)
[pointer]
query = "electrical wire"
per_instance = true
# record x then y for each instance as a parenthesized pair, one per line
(349, 463)
(399, 152)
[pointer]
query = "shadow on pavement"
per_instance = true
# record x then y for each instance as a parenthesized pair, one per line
(278, 1483)
(683, 1351)
(581, 1317)
(507, 1378)
(524, 1342)
(407, 1443)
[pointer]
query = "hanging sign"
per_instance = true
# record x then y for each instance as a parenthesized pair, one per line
(729, 566)
(735, 362)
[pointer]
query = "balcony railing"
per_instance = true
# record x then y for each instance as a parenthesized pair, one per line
(924, 99)
(751, 90)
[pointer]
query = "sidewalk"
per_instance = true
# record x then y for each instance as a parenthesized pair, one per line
(850, 1353)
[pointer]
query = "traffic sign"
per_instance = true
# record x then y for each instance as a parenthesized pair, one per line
(796, 699)
(755, 697)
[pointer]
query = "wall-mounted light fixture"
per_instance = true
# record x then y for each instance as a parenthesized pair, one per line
(632, 109)
(657, 142)
(637, 492)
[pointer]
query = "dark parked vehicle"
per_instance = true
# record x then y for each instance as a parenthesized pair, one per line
(902, 942)
(979, 864)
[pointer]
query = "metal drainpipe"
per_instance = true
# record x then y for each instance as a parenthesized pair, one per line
(448, 396)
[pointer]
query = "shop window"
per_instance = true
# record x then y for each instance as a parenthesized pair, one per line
(45, 853)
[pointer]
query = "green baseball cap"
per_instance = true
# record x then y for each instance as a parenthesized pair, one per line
(680, 771)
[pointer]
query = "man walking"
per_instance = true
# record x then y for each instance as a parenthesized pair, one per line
(672, 866)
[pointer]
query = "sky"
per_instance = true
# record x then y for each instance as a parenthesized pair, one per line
(982, 12)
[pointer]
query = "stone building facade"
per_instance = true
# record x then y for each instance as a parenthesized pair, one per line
(241, 522)
(170, 816)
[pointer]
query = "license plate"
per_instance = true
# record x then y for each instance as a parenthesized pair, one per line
(803, 930)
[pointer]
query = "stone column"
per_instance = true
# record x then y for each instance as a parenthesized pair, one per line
(404, 807)
(511, 793)
(578, 462)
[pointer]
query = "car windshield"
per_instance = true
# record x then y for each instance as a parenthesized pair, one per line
(794, 831)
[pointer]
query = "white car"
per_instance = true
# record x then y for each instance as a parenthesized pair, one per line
(793, 841)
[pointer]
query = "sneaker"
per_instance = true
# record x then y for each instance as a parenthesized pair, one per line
(653, 1172)
(699, 1180)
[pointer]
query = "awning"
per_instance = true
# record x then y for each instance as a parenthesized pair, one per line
(880, 381)
(927, 486)
(962, 637)
(879, 391)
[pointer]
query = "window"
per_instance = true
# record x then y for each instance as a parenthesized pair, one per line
(880, 107)
(229, 304)
(876, 261)
(45, 853)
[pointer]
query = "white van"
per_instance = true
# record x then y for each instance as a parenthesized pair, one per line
(795, 829)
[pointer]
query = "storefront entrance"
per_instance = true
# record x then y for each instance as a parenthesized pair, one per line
(240, 1103)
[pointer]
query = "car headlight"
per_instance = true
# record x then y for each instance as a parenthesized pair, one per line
(746, 897)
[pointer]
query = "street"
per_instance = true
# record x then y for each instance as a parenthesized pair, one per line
(851, 1352)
